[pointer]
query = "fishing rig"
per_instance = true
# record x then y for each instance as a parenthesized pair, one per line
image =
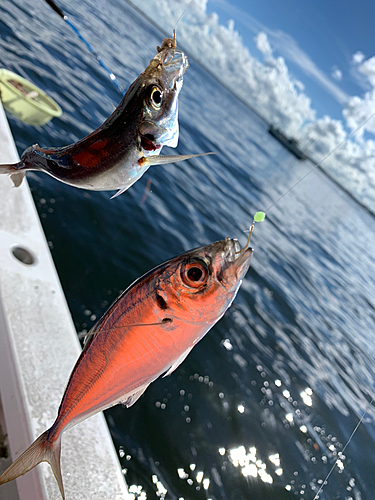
(260, 217)
(110, 73)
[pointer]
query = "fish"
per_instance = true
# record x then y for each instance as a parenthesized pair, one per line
(147, 332)
(120, 151)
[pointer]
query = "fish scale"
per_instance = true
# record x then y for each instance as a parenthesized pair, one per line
(138, 339)
(121, 150)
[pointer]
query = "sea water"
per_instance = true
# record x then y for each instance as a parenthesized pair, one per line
(265, 403)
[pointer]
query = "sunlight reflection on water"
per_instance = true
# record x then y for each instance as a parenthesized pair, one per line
(286, 374)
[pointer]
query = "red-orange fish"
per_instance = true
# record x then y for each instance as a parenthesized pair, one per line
(148, 331)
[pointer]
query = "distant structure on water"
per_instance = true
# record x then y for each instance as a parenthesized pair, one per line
(289, 142)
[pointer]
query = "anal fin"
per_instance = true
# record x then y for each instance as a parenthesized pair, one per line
(177, 363)
(17, 178)
(133, 398)
(120, 191)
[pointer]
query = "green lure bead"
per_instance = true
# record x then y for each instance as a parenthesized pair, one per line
(259, 217)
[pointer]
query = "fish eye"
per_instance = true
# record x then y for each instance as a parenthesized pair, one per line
(156, 97)
(194, 274)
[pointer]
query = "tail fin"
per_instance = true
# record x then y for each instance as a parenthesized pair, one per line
(12, 170)
(40, 451)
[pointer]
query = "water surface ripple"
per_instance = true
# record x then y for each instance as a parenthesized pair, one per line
(264, 404)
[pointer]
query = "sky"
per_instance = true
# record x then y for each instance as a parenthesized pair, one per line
(306, 66)
(318, 40)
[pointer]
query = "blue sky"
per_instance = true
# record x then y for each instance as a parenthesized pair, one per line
(329, 32)
(306, 67)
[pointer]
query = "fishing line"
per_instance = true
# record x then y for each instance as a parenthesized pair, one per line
(353, 132)
(183, 12)
(350, 438)
(111, 75)
(260, 216)
(248, 240)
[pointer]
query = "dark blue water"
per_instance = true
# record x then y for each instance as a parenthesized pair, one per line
(265, 403)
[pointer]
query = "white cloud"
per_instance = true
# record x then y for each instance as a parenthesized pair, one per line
(359, 109)
(363, 71)
(352, 164)
(263, 45)
(299, 85)
(358, 57)
(323, 135)
(269, 87)
(367, 68)
(336, 73)
(287, 47)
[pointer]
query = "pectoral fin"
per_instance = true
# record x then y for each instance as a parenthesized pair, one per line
(164, 159)
(120, 191)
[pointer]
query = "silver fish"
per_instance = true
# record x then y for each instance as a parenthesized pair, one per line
(119, 152)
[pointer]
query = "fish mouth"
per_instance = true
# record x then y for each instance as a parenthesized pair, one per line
(241, 258)
(234, 265)
(160, 127)
(175, 63)
(236, 244)
(243, 262)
